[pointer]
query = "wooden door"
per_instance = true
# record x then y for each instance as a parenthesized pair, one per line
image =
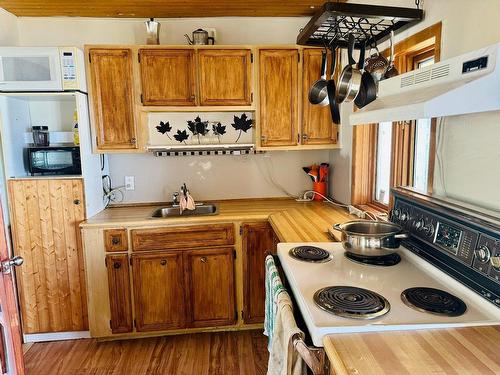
(225, 76)
(258, 240)
(278, 79)
(317, 125)
(120, 299)
(167, 77)
(209, 277)
(11, 352)
(45, 219)
(158, 291)
(112, 97)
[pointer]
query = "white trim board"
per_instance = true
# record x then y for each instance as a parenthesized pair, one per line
(56, 336)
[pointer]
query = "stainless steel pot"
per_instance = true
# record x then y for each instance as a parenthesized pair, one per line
(371, 238)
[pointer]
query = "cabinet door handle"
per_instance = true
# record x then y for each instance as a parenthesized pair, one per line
(115, 240)
(192, 97)
(76, 201)
(117, 265)
(203, 259)
(163, 262)
(133, 140)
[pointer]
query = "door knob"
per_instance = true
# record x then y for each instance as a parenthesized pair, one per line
(8, 264)
(76, 201)
(203, 259)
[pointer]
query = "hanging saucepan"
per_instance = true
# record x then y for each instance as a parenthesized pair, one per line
(391, 71)
(350, 79)
(376, 64)
(368, 89)
(334, 106)
(318, 94)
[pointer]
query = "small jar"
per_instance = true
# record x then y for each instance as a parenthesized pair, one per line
(40, 135)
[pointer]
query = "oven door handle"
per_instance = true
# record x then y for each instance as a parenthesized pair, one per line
(315, 358)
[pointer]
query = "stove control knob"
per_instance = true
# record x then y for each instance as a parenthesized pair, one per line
(495, 261)
(483, 253)
(419, 224)
(396, 213)
(404, 217)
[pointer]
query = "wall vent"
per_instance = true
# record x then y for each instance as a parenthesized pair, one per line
(440, 71)
(407, 81)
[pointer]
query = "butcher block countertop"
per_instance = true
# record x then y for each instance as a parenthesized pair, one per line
(470, 350)
(292, 221)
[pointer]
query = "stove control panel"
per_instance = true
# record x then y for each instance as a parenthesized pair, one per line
(448, 236)
(443, 234)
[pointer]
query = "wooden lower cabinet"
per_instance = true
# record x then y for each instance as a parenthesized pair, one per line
(210, 288)
(120, 302)
(158, 291)
(257, 240)
(45, 216)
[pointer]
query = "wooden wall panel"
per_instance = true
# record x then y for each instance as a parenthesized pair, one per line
(45, 217)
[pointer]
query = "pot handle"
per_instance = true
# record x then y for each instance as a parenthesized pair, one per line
(337, 226)
(402, 235)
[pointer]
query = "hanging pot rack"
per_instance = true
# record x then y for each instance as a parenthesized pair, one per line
(370, 24)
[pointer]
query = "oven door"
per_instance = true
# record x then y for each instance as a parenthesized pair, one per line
(30, 69)
(54, 161)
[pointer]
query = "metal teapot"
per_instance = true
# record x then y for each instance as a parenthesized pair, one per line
(200, 37)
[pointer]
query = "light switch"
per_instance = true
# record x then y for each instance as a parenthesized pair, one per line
(129, 183)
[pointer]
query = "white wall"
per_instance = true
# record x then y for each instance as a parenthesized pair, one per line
(470, 143)
(8, 29)
(208, 177)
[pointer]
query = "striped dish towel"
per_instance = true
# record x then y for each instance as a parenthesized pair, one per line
(274, 287)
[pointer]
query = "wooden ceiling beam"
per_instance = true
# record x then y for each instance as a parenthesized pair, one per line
(161, 8)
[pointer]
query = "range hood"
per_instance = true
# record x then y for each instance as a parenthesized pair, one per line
(469, 83)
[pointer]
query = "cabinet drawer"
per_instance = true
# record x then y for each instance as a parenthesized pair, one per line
(115, 240)
(182, 237)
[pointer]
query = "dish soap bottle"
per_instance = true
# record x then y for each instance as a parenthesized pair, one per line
(76, 135)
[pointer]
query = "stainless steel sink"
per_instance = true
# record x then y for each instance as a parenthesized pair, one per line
(174, 211)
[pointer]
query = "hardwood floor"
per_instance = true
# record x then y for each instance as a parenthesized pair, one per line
(218, 353)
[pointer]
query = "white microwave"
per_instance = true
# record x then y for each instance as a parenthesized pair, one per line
(28, 69)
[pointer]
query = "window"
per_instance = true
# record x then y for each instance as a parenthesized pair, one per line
(397, 154)
(383, 163)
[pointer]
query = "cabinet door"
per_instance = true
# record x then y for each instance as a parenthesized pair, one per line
(45, 218)
(209, 278)
(317, 125)
(111, 93)
(120, 303)
(225, 76)
(158, 291)
(167, 77)
(278, 72)
(258, 239)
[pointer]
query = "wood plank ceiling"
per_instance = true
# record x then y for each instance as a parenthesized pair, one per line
(161, 8)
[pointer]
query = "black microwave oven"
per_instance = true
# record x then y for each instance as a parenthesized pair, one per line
(53, 160)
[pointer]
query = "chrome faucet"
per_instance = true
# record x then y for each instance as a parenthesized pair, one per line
(175, 199)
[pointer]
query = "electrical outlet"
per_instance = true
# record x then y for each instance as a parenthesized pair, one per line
(129, 183)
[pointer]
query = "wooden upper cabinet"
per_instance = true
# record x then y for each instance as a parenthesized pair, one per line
(45, 217)
(225, 76)
(158, 291)
(112, 97)
(317, 125)
(209, 275)
(120, 299)
(168, 77)
(278, 79)
(258, 240)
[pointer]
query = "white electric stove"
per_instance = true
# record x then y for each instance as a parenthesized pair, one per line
(440, 279)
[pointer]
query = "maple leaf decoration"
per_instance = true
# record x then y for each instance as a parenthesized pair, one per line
(164, 128)
(198, 127)
(181, 136)
(243, 124)
(218, 130)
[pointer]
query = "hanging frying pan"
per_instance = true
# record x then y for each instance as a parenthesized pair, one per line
(368, 89)
(318, 93)
(334, 105)
(350, 79)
